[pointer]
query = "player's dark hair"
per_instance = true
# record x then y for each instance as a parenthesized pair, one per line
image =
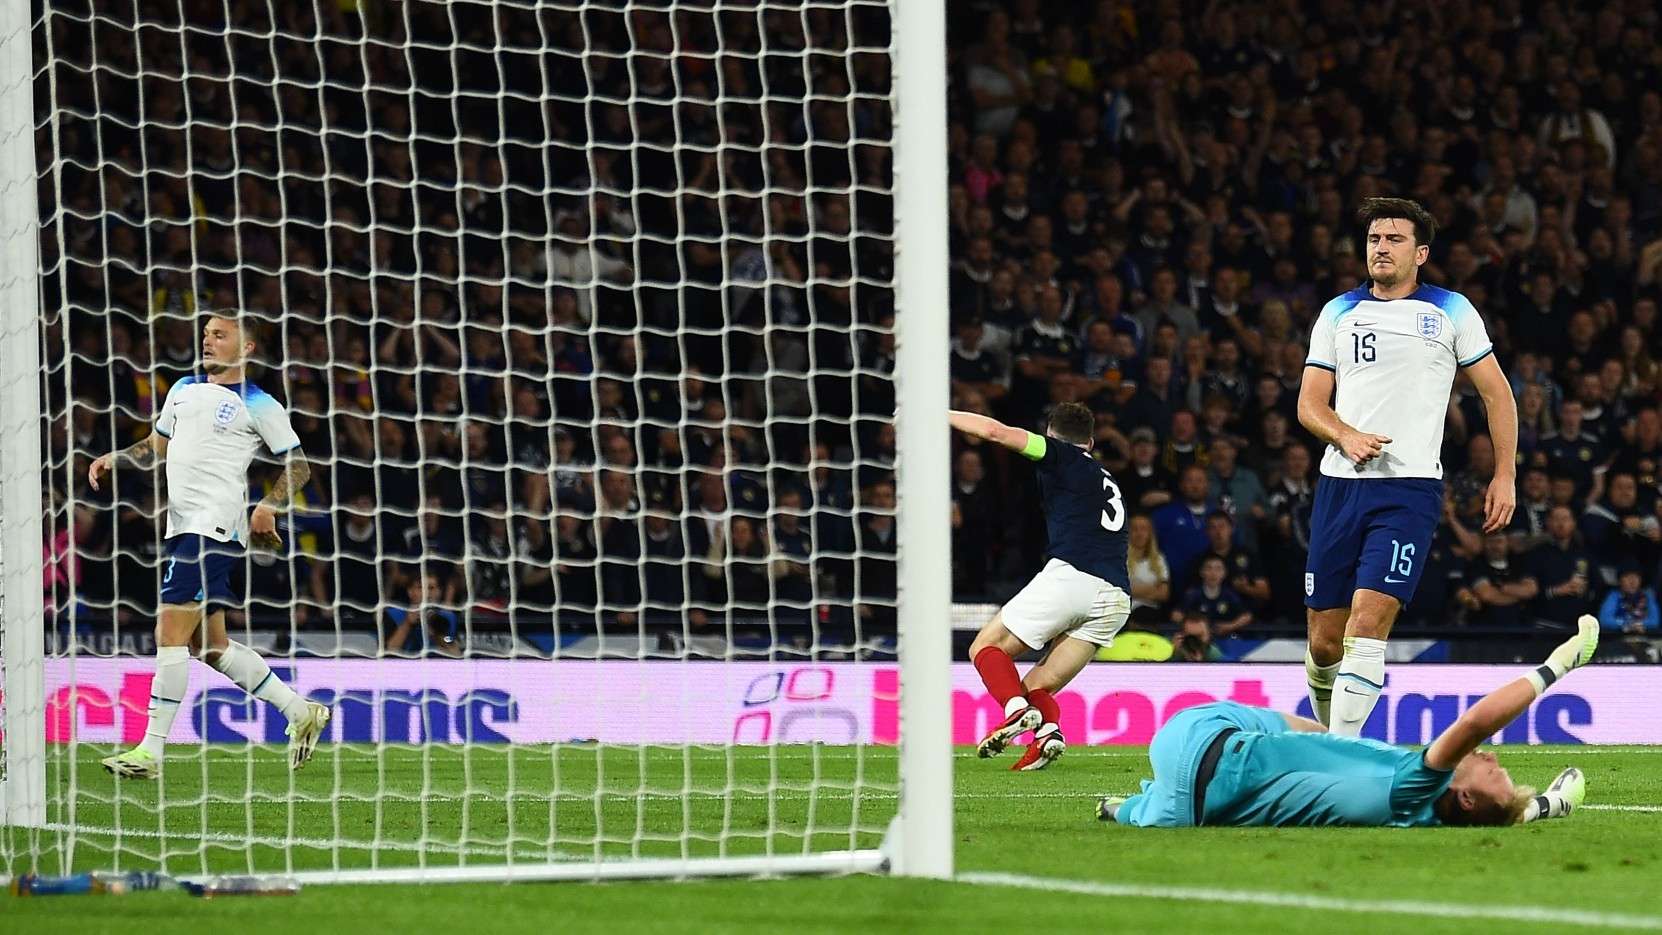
(1073, 423)
(1405, 209)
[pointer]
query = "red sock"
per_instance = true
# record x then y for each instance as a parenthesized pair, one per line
(1042, 699)
(998, 673)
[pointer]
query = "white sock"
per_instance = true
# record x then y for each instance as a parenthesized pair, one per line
(167, 692)
(1015, 704)
(245, 667)
(1320, 680)
(1361, 677)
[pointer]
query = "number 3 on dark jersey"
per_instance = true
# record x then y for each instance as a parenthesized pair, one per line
(1113, 518)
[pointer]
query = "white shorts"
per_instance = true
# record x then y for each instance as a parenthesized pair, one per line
(1061, 599)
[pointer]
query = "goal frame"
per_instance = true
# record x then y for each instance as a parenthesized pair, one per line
(919, 841)
(22, 614)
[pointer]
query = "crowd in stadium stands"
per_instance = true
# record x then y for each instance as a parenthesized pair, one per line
(552, 367)
(528, 396)
(1149, 210)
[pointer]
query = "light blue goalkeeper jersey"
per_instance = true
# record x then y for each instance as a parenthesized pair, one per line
(1321, 779)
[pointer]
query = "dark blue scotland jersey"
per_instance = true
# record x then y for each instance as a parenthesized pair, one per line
(1085, 515)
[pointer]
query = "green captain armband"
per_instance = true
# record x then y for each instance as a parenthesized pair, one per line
(1035, 448)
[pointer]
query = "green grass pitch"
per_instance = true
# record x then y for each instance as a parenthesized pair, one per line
(442, 805)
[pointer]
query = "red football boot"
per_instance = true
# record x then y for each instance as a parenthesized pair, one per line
(1014, 726)
(1042, 752)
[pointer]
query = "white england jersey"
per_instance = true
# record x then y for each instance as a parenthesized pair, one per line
(1393, 362)
(213, 430)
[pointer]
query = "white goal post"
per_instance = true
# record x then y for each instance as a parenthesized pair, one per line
(22, 633)
(574, 304)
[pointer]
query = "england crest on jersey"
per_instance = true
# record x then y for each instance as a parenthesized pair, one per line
(224, 415)
(1431, 324)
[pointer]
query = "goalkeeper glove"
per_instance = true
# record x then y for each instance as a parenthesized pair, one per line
(1573, 653)
(1566, 792)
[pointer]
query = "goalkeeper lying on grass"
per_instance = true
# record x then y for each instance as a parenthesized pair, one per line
(1229, 764)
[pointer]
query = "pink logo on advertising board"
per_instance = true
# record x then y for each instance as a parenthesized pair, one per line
(517, 701)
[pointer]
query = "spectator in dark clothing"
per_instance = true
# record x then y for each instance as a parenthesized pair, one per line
(976, 367)
(1100, 379)
(1617, 531)
(577, 567)
(490, 559)
(1239, 493)
(1529, 520)
(1225, 611)
(534, 570)
(1564, 572)
(1145, 483)
(1044, 350)
(1155, 400)
(1243, 572)
(1180, 526)
(1572, 450)
(617, 528)
(977, 525)
(1502, 584)
(738, 573)
(1287, 543)
(1184, 446)
(356, 570)
(665, 569)
(876, 592)
(1642, 456)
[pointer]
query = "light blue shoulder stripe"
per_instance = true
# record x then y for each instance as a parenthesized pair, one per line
(1453, 304)
(1340, 304)
(258, 398)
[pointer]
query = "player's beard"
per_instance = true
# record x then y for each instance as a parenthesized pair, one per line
(1396, 276)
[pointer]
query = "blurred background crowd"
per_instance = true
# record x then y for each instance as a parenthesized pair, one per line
(585, 317)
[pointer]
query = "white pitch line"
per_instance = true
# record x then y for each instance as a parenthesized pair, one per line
(1542, 914)
(1622, 808)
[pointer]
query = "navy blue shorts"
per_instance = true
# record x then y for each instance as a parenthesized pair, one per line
(1372, 533)
(199, 570)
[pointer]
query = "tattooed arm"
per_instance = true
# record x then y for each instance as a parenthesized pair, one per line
(144, 454)
(263, 524)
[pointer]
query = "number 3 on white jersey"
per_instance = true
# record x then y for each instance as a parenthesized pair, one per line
(1113, 518)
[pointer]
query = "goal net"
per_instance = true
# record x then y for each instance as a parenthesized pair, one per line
(619, 555)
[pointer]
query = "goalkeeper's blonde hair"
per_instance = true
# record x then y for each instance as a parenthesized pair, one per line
(1509, 812)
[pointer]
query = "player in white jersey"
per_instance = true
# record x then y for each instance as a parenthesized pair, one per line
(1391, 348)
(207, 432)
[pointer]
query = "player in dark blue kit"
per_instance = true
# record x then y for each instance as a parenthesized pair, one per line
(1229, 764)
(1076, 603)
